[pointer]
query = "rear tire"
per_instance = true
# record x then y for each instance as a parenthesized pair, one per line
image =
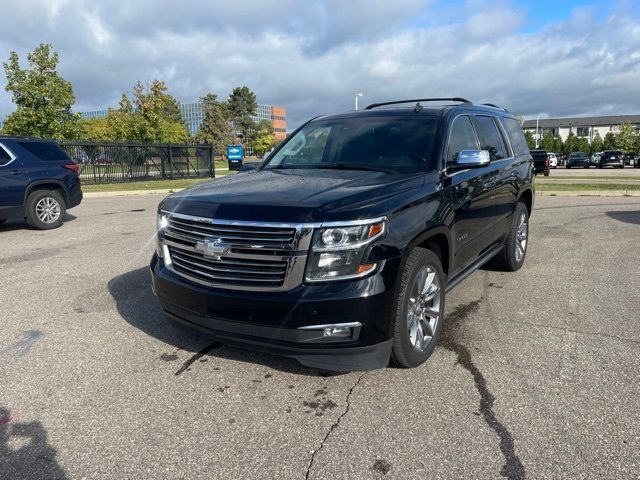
(45, 209)
(512, 255)
(419, 309)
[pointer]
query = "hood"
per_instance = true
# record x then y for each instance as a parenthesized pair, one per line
(292, 195)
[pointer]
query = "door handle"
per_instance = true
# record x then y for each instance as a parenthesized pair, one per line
(16, 172)
(489, 184)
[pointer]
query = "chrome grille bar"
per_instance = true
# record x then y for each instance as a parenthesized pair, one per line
(255, 256)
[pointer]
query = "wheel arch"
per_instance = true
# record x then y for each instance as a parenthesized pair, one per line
(438, 240)
(526, 197)
(49, 184)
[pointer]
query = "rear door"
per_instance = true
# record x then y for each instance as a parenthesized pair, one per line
(13, 182)
(505, 172)
(473, 197)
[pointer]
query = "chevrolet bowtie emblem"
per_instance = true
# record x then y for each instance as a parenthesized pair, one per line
(214, 248)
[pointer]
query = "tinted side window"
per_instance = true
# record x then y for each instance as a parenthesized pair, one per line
(462, 137)
(4, 156)
(45, 150)
(516, 136)
(490, 138)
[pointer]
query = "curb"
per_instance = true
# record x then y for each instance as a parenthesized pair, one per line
(119, 193)
(589, 193)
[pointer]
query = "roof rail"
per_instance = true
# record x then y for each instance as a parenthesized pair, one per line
(453, 99)
(495, 106)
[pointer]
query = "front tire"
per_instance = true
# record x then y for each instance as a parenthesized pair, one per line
(45, 209)
(512, 255)
(419, 309)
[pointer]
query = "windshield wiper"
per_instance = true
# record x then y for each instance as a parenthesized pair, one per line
(346, 166)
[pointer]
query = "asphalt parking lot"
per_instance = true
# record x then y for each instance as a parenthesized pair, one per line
(537, 374)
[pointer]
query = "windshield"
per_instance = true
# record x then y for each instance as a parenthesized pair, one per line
(578, 155)
(392, 144)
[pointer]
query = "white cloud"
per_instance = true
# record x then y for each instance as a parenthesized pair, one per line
(312, 57)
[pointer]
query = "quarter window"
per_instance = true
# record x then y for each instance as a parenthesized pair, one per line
(5, 158)
(490, 138)
(516, 136)
(462, 137)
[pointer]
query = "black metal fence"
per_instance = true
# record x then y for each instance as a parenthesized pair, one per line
(126, 162)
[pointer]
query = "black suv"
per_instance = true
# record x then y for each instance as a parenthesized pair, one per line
(38, 182)
(338, 249)
(611, 158)
(578, 159)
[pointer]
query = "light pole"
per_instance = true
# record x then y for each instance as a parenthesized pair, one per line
(357, 96)
(537, 134)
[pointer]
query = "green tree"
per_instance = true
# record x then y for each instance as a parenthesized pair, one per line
(96, 130)
(242, 106)
(570, 144)
(265, 137)
(548, 141)
(42, 97)
(557, 144)
(531, 142)
(625, 137)
(216, 128)
(583, 145)
(597, 144)
(609, 141)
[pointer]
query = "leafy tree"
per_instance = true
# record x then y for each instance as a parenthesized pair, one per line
(570, 144)
(43, 98)
(557, 144)
(160, 113)
(531, 142)
(635, 147)
(96, 129)
(597, 145)
(582, 145)
(242, 106)
(216, 128)
(548, 141)
(625, 137)
(265, 137)
(609, 141)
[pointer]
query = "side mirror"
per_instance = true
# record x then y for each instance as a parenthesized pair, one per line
(249, 166)
(470, 159)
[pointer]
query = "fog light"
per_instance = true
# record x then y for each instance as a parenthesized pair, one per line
(337, 332)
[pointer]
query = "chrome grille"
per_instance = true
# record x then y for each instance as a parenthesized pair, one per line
(252, 256)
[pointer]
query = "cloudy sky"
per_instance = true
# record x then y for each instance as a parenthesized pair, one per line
(548, 57)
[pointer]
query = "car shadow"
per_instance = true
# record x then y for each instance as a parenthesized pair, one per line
(24, 450)
(20, 224)
(139, 307)
(626, 216)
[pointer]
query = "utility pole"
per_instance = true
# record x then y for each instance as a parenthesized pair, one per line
(357, 96)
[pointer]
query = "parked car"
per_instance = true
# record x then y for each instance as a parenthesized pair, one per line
(594, 160)
(553, 160)
(611, 158)
(578, 159)
(636, 161)
(38, 182)
(337, 250)
(541, 162)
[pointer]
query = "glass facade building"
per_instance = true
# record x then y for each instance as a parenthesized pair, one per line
(193, 115)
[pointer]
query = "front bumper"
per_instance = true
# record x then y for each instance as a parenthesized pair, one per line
(271, 321)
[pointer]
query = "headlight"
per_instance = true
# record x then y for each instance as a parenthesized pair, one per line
(338, 252)
(161, 223)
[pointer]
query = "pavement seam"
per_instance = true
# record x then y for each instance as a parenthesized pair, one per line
(513, 469)
(196, 356)
(333, 426)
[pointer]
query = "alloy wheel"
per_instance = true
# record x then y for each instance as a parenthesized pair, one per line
(423, 311)
(521, 237)
(48, 210)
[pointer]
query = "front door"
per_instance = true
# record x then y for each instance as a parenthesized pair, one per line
(473, 195)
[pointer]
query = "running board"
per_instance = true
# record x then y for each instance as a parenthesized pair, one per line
(484, 258)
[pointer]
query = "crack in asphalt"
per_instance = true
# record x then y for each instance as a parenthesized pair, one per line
(579, 332)
(513, 469)
(333, 427)
(197, 356)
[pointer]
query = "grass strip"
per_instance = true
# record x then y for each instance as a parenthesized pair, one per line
(576, 187)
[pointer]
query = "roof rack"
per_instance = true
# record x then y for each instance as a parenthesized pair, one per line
(452, 99)
(495, 106)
